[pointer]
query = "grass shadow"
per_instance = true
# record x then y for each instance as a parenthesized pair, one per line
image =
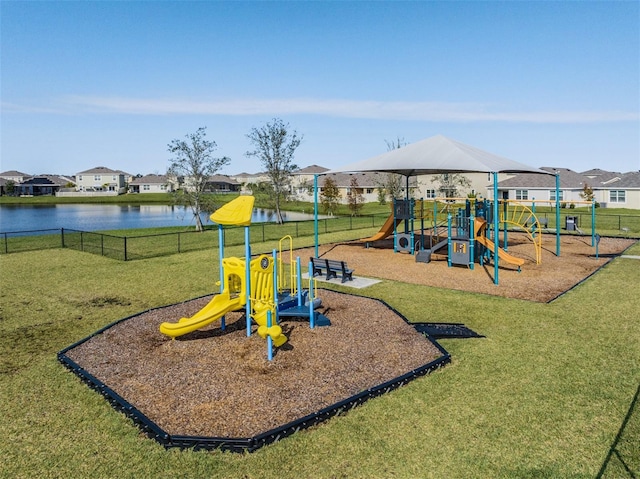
(618, 459)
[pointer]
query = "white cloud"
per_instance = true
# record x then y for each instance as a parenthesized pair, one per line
(381, 110)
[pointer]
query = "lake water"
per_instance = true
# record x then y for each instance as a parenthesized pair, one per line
(91, 217)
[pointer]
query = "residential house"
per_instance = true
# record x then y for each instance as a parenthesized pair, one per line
(621, 193)
(222, 184)
(13, 177)
(302, 181)
(610, 189)
(151, 184)
(368, 183)
(42, 185)
(101, 180)
(246, 179)
(430, 186)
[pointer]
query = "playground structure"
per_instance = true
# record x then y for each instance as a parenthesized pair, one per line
(466, 236)
(255, 285)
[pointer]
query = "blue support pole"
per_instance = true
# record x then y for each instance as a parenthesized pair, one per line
(495, 226)
(312, 319)
(315, 212)
(299, 280)
(472, 256)
(593, 222)
(275, 284)
(557, 214)
(449, 242)
(505, 208)
(533, 209)
(269, 340)
(247, 279)
(221, 255)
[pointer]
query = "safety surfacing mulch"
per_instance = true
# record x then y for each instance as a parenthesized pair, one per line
(215, 383)
(534, 282)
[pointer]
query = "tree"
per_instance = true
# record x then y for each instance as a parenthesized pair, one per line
(10, 187)
(391, 183)
(274, 145)
(330, 196)
(355, 198)
(588, 195)
(194, 162)
(450, 184)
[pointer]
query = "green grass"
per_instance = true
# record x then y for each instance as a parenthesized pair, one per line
(543, 395)
(133, 199)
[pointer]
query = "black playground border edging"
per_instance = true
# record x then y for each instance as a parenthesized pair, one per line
(251, 444)
(597, 270)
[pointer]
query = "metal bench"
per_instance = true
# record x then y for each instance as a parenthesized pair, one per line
(332, 268)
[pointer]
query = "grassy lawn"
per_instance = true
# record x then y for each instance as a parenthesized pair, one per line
(543, 395)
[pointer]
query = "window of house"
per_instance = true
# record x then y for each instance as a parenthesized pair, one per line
(96, 177)
(617, 196)
(163, 187)
(552, 195)
(80, 178)
(522, 194)
(430, 194)
(146, 187)
(369, 191)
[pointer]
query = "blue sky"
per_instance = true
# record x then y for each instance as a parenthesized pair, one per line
(89, 84)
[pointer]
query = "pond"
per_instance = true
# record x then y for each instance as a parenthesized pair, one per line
(92, 217)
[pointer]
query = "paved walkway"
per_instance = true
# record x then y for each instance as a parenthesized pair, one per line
(630, 256)
(358, 281)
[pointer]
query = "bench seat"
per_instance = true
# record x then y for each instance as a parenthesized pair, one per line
(331, 268)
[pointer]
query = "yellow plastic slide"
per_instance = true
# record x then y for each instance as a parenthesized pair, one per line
(479, 226)
(220, 305)
(502, 254)
(386, 230)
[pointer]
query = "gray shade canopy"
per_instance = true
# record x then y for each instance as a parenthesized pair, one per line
(436, 155)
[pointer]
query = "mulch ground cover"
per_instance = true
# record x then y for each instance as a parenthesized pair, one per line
(217, 383)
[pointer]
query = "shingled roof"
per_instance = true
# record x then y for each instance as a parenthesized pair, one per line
(568, 179)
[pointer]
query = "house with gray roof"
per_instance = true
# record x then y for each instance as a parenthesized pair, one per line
(611, 189)
(101, 180)
(15, 176)
(43, 185)
(151, 184)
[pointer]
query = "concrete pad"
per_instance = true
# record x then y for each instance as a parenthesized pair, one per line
(358, 282)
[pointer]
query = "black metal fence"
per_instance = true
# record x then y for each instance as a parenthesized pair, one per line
(126, 248)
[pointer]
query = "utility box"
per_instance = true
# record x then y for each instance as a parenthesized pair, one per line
(571, 222)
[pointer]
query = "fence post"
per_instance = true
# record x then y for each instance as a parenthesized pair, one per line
(102, 245)
(81, 240)
(263, 240)
(6, 243)
(62, 237)
(125, 248)
(178, 242)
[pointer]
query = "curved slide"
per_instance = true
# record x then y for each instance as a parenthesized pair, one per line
(385, 231)
(220, 305)
(502, 254)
